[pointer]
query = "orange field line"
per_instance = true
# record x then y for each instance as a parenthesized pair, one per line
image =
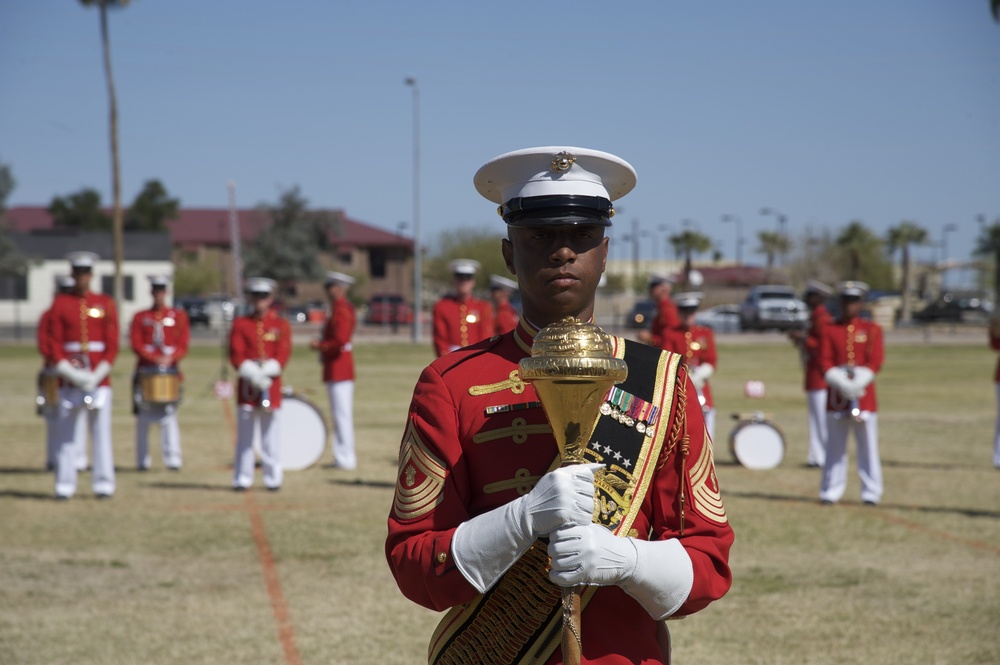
(286, 632)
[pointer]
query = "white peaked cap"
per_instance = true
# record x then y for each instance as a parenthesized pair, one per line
(500, 282)
(334, 277)
(463, 266)
(261, 285)
(816, 286)
(690, 300)
(82, 259)
(852, 288)
(162, 281)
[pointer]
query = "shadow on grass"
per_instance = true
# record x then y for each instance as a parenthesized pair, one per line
(931, 466)
(357, 482)
(162, 485)
(943, 510)
(25, 470)
(37, 496)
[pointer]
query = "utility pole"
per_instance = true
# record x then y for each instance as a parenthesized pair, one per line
(235, 243)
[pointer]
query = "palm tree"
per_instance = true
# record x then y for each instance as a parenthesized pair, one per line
(988, 245)
(901, 237)
(688, 242)
(856, 240)
(118, 217)
(772, 244)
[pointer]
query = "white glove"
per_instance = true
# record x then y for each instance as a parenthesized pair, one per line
(271, 368)
(700, 374)
(836, 378)
(94, 378)
(658, 574)
(248, 370)
(262, 382)
(863, 376)
(75, 375)
(485, 546)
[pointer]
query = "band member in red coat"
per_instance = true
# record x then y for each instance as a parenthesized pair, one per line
(995, 345)
(48, 380)
(260, 345)
(851, 354)
(666, 318)
(504, 314)
(807, 341)
(478, 488)
(697, 345)
(83, 343)
(160, 337)
(338, 367)
(460, 319)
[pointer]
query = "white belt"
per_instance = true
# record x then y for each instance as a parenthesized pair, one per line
(166, 350)
(75, 347)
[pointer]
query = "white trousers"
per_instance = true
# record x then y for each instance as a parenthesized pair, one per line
(996, 437)
(341, 396)
(268, 423)
(834, 478)
(710, 423)
(165, 416)
(816, 399)
(72, 424)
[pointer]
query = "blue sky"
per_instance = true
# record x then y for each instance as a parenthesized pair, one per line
(825, 111)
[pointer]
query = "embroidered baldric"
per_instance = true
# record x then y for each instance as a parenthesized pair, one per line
(519, 619)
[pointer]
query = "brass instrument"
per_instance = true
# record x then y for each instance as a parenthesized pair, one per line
(572, 368)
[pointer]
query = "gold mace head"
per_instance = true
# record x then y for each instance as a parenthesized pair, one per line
(572, 367)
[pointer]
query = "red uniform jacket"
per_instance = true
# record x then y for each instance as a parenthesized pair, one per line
(995, 345)
(819, 319)
(260, 339)
(160, 332)
(44, 337)
(506, 318)
(854, 342)
(697, 345)
(459, 323)
(335, 346)
(476, 438)
(666, 319)
(83, 328)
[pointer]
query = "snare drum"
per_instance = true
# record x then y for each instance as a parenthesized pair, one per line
(48, 390)
(159, 385)
(757, 443)
(302, 434)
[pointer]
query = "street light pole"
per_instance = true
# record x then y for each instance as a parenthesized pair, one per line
(739, 236)
(417, 253)
(945, 230)
(781, 225)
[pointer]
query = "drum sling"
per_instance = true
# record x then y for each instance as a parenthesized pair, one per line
(519, 620)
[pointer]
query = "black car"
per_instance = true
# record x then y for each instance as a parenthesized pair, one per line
(196, 308)
(957, 308)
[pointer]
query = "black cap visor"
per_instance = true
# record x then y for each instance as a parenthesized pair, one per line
(558, 211)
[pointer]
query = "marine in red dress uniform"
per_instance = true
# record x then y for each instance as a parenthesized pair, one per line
(995, 345)
(48, 402)
(459, 318)
(504, 315)
(807, 342)
(335, 354)
(697, 345)
(666, 317)
(260, 345)
(160, 337)
(476, 489)
(83, 342)
(851, 354)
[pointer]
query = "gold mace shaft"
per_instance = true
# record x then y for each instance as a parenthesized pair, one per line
(572, 367)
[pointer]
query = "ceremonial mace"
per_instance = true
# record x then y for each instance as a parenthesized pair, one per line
(572, 367)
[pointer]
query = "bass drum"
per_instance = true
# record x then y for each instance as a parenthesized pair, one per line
(302, 434)
(757, 444)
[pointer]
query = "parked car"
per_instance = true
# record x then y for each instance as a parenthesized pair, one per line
(388, 308)
(641, 315)
(772, 306)
(957, 307)
(720, 318)
(310, 312)
(197, 309)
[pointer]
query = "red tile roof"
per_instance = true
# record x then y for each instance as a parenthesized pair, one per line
(210, 226)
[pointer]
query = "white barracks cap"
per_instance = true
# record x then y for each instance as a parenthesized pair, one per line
(852, 289)
(500, 282)
(656, 279)
(159, 281)
(690, 300)
(463, 267)
(555, 185)
(261, 285)
(816, 286)
(82, 260)
(340, 278)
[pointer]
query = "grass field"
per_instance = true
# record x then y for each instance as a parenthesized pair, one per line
(179, 569)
